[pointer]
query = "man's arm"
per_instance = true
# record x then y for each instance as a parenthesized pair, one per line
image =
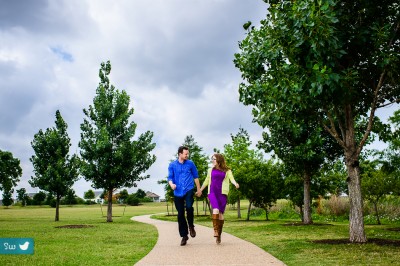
(170, 177)
(197, 182)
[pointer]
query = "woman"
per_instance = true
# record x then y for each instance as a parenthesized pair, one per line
(217, 180)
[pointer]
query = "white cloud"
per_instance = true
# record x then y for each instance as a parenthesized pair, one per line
(174, 58)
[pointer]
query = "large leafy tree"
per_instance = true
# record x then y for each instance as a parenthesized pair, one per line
(339, 59)
(10, 171)
(111, 159)
(55, 170)
(237, 155)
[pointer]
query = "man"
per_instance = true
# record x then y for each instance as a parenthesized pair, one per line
(182, 175)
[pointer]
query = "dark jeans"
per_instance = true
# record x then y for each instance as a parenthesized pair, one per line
(181, 203)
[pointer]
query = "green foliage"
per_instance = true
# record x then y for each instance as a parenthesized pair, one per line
(146, 199)
(376, 183)
(238, 154)
(39, 198)
(10, 171)
(55, 170)
(263, 183)
(140, 193)
(198, 157)
(333, 61)
(89, 195)
(110, 158)
(70, 197)
(133, 200)
(7, 197)
(22, 196)
(123, 195)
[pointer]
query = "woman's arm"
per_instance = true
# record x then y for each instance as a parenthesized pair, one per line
(232, 179)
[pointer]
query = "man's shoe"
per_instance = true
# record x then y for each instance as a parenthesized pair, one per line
(192, 232)
(184, 240)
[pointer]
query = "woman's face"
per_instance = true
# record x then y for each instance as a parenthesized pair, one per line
(213, 160)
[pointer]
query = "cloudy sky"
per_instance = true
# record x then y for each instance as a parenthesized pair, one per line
(173, 57)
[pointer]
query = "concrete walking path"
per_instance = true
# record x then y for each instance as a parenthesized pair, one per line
(201, 250)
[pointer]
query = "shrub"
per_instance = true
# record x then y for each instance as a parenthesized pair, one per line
(336, 206)
(132, 200)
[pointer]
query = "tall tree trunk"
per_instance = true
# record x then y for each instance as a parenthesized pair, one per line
(307, 198)
(109, 206)
(356, 219)
(239, 214)
(57, 218)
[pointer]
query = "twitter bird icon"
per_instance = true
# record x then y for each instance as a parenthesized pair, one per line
(25, 246)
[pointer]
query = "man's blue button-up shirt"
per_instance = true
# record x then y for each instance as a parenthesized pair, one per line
(182, 175)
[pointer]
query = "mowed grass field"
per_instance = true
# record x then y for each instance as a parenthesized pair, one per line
(124, 242)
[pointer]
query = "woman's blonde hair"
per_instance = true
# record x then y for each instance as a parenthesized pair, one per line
(221, 164)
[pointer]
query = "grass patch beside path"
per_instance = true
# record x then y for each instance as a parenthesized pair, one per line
(293, 244)
(122, 242)
(125, 242)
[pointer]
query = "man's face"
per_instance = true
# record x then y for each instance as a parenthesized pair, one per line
(184, 155)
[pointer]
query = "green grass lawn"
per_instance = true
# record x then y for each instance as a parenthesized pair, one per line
(293, 243)
(124, 242)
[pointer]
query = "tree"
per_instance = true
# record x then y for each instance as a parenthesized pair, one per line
(89, 195)
(22, 196)
(123, 195)
(237, 154)
(10, 171)
(201, 161)
(338, 59)
(303, 146)
(7, 197)
(376, 184)
(39, 198)
(263, 183)
(140, 193)
(70, 197)
(55, 170)
(110, 158)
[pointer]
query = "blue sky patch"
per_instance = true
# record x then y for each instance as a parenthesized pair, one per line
(62, 54)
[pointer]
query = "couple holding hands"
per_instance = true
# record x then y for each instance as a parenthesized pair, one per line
(183, 175)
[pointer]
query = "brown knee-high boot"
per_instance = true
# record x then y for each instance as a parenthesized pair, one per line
(220, 226)
(215, 224)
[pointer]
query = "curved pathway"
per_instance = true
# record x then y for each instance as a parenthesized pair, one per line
(201, 250)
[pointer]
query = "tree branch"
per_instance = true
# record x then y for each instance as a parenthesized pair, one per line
(372, 113)
(332, 130)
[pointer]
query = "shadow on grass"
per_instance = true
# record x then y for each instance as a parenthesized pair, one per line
(395, 229)
(301, 224)
(377, 241)
(74, 226)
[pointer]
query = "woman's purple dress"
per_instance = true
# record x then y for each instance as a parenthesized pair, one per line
(217, 199)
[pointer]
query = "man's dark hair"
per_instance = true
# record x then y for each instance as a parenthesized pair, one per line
(181, 149)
